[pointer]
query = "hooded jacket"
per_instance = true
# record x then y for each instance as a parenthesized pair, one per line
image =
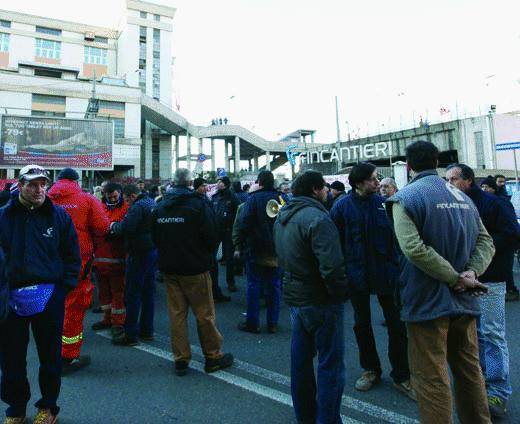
(86, 213)
(184, 232)
(309, 251)
(225, 205)
(110, 250)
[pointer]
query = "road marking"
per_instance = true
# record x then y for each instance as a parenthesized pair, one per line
(227, 377)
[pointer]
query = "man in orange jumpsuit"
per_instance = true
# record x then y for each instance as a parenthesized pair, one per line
(110, 265)
(89, 221)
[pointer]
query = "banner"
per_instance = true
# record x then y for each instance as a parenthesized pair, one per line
(56, 143)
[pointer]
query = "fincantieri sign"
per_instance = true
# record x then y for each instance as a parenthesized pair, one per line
(359, 152)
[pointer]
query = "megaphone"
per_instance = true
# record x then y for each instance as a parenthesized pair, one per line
(272, 208)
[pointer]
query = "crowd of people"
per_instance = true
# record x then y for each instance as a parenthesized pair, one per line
(437, 254)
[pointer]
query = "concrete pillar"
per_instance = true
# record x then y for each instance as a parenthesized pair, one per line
(226, 155)
(146, 152)
(177, 152)
(10, 173)
(165, 157)
(255, 163)
(213, 155)
(188, 151)
(268, 160)
(237, 155)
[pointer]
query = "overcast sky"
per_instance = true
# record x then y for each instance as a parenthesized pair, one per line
(285, 60)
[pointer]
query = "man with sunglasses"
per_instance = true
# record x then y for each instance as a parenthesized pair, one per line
(42, 263)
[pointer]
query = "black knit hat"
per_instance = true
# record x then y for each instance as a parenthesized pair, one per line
(68, 174)
(338, 185)
(490, 181)
(226, 181)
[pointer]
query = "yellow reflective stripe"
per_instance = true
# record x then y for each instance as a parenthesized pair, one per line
(118, 311)
(72, 340)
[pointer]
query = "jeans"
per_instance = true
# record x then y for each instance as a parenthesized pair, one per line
(491, 330)
(432, 346)
(397, 339)
(258, 277)
(47, 328)
(317, 329)
(140, 292)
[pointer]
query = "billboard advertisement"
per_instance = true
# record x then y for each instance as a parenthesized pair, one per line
(56, 143)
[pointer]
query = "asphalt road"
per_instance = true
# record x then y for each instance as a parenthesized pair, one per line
(138, 385)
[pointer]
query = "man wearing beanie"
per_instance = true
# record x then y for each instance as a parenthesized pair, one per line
(489, 185)
(89, 221)
(225, 205)
(337, 188)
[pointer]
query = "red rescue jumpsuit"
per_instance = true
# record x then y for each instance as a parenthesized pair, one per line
(110, 269)
(89, 221)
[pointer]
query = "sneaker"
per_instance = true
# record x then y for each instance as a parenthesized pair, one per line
(512, 296)
(147, 337)
(367, 380)
(245, 326)
(124, 340)
(222, 298)
(69, 366)
(101, 325)
(272, 328)
(14, 420)
(497, 407)
(181, 368)
(406, 388)
(44, 416)
(225, 361)
(117, 332)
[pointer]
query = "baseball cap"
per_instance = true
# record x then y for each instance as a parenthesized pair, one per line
(32, 172)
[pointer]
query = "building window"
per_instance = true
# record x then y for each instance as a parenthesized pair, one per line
(156, 76)
(103, 40)
(5, 24)
(47, 73)
(48, 48)
(157, 18)
(44, 98)
(48, 114)
(119, 127)
(105, 104)
(479, 149)
(142, 33)
(4, 42)
(50, 31)
(95, 55)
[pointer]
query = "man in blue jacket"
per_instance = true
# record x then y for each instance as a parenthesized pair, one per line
(42, 263)
(256, 229)
(498, 216)
(141, 265)
(371, 265)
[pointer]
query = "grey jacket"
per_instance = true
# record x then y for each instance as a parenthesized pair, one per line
(309, 251)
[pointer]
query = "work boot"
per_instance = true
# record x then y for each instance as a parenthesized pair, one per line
(225, 361)
(124, 340)
(406, 388)
(272, 328)
(101, 325)
(44, 416)
(248, 328)
(181, 368)
(147, 337)
(367, 380)
(497, 407)
(222, 298)
(70, 365)
(14, 420)
(117, 332)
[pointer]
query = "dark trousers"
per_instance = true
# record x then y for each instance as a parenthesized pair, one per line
(228, 252)
(215, 288)
(510, 281)
(47, 328)
(259, 277)
(397, 338)
(140, 292)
